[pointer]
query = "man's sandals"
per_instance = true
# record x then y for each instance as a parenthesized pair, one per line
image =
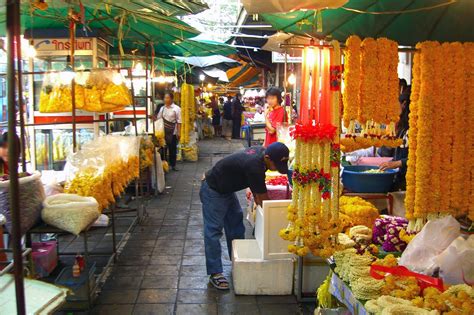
(219, 281)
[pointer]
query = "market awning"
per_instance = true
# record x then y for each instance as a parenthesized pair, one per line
(217, 61)
(406, 21)
(247, 76)
(216, 73)
(274, 41)
(186, 48)
(273, 6)
(161, 64)
(117, 23)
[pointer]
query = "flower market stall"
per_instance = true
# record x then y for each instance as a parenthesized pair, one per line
(383, 264)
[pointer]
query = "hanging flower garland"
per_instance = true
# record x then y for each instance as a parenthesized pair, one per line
(377, 94)
(469, 180)
(458, 169)
(412, 139)
(351, 94)
(439, 175)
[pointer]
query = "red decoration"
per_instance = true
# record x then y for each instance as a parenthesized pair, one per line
(318, 132)
(336, 75)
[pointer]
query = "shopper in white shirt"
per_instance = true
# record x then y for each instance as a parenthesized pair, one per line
(171, 115)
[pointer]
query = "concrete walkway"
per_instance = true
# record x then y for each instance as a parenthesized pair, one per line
(162, 268)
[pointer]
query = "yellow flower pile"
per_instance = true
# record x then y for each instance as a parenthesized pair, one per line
(371, 93)
(146, 152)
(103, 168)
(188, 112)
(358, 211)
(439, 175)
(95, 91)
(456, 300)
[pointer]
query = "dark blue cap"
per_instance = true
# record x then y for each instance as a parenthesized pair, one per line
(279, 154)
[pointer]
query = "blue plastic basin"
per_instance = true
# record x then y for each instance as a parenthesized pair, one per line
(355, 180)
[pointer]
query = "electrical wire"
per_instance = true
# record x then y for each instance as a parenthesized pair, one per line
(449, 2)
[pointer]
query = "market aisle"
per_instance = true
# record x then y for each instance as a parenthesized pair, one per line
(162, 268)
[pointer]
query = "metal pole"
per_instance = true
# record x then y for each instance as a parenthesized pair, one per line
(13, 21)
(147, 61)
(72, 40)
(20, 100)
(286, 75)
(130, 75)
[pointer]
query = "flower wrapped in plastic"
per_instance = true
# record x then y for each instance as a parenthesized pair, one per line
(56, 92)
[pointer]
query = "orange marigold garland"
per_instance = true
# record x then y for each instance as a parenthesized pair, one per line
(377, 96)
(425, 134)
(351, 94)
(439, 175)
(457, 204)
(447, 68)
(412, 143)
(469, 186)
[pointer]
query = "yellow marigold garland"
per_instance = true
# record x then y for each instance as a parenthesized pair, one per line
(412, 143)
(425, 135)
(351, 94)
(368, 78)
(457, 204)
(375, 103)
(440, 171)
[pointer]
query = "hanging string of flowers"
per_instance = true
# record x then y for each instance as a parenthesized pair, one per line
(439, 177)
(188, 112)
(351, 94)
(313, 214)
(371, 93)
(469, 53)
(412, 140)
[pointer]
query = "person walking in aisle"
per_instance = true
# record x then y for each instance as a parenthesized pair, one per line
(216, 116)
(237, 110)
(171, 115)
(227, 119)
(220, 206)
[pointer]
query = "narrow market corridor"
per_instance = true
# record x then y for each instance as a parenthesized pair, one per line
(161, 270)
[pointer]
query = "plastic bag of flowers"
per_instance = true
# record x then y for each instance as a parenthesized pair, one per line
(70, 212)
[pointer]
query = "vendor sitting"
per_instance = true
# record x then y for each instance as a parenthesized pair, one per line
(4, 152)
(220, 206)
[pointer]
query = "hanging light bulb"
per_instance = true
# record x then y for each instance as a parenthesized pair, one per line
(202, 77)
(31, 51)
(292, 79)
(117, 78)
(138, 66)
(161, 79)
(67, 75)
(209, 86)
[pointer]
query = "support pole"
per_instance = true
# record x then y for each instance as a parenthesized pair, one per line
(20, 99)
(72, 40)
(13, 22)
(147, 91)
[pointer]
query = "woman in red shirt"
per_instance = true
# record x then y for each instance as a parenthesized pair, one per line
(275, 115)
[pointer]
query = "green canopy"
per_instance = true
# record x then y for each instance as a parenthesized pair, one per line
(163, 7)
(115, 22)
(406, 21)
(185, 48)
(161, 64)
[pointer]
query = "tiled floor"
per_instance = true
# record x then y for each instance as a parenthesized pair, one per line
(162, 269)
